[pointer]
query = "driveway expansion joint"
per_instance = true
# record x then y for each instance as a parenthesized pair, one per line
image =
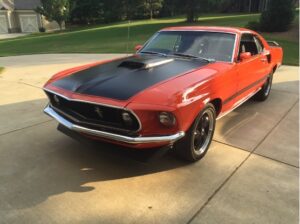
(275, 160)
(276, 125)
(30, 126)
(27, 84)
(241, 164)
(218, 189)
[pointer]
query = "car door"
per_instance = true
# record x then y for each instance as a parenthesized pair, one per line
(264, 57)
(251, 70)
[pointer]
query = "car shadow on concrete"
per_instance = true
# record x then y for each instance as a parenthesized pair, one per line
(73, 168)
(150, 155)
(38, 162)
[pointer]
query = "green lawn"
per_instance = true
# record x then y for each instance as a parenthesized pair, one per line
(1, 69)
(112, 38)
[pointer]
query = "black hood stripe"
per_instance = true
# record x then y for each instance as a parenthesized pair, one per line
(113, 81)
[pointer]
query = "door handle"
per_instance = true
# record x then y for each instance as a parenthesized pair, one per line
(264, 59)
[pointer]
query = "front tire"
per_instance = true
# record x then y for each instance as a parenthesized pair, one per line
(195, 144)
(264, 93)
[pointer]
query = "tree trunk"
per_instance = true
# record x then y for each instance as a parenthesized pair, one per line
(261, 5)
(250, 5)
(60, 24)
(267, 4)
(190, 7)
(191, 15)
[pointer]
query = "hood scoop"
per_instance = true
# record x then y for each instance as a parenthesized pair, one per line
(144, 64)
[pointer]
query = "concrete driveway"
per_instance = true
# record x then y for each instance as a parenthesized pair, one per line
(250, 174)
(12, 35)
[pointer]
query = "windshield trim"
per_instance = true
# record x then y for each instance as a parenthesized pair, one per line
(208, 31)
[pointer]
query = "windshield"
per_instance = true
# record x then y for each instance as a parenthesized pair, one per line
(202, 44)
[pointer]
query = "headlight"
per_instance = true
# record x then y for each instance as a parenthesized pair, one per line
(127, 118)
(167, 119)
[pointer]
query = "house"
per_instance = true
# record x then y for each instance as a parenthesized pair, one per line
(19, 16)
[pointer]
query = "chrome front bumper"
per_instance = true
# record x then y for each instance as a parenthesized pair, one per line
(110, 136)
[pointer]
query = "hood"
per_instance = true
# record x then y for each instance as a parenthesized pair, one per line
(124, 78)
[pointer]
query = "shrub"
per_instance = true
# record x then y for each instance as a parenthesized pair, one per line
(253, 25)
(278, 17)
(42, 29)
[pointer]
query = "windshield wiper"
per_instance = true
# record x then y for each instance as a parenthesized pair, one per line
(153, 52)
(193, 56)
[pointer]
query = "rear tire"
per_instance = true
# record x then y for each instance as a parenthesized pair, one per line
(264, 93)
(195, 144)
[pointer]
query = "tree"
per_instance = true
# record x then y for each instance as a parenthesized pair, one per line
(55, 10)
(242, 5)
(170, 8)
(113, 10)
(134, 9)
(140, 9)
(191, 8)
(194, 7)
(87, 11)
(153, 7)
(278, 17)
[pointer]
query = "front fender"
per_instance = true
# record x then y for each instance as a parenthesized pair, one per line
(185, 113)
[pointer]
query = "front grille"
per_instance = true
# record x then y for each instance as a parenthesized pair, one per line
(94, 116)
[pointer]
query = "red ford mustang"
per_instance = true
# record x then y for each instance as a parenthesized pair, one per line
(170, 92)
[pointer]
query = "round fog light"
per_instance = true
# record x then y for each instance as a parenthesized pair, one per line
(167, 119)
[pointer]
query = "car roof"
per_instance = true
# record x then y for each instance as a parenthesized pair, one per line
(236, 30)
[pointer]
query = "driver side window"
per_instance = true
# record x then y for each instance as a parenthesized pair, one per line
(248, 44)
(259, 44)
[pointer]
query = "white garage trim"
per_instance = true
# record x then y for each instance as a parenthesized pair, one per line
(9, 19)
(29, 23)
(3, 24)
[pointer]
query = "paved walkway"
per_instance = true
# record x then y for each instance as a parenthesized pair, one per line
(250, 174)
(11, 35)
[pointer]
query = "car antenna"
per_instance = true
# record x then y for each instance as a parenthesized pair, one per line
(128, 38)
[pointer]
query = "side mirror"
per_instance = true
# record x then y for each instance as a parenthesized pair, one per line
(245, 56)
(138, 47)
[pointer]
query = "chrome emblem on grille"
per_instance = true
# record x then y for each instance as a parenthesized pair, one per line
(99, 112)
(56, 99)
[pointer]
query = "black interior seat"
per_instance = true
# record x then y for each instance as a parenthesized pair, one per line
(249, 46)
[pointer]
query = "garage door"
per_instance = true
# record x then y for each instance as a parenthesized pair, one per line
(29, 23)
(3, 25)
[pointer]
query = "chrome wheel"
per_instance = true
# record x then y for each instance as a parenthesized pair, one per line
(195, 144)
(264, 93)
(203, 132)
(268, 85)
